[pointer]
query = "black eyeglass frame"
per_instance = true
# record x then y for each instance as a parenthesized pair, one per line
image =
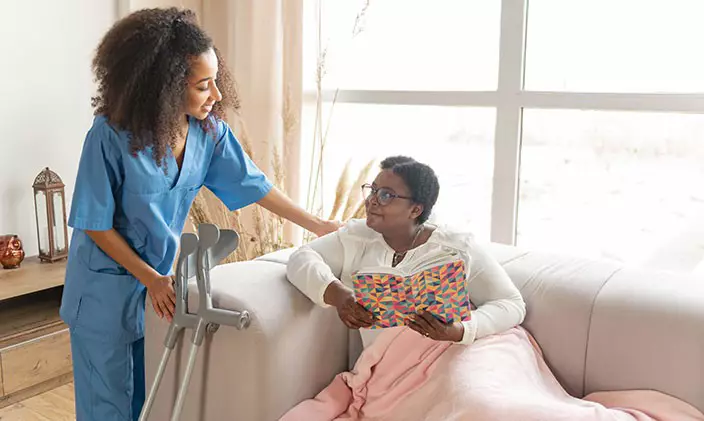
(375, 191)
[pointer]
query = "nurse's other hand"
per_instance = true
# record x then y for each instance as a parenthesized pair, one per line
(161, 292)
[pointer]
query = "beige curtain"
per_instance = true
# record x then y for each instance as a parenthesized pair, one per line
(261, 40)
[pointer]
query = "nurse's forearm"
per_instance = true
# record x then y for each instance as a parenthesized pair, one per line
(115, 246)
(280, 204)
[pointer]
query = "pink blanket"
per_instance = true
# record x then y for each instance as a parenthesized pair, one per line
(406, 377)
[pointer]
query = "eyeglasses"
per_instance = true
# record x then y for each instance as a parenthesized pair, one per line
(383, 195)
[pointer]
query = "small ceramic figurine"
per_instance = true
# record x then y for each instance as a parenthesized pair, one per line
(11, 252)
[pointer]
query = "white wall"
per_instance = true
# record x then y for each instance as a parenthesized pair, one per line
(46, 83)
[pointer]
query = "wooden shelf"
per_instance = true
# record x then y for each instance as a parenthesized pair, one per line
(30, 316)
(32, 276)
(35, 350)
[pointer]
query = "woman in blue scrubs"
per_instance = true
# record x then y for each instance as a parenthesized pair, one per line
(157, 138)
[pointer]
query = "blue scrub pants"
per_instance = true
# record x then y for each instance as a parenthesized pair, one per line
(108, 379)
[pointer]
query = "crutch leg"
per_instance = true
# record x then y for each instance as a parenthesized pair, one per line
(197, 341)
(169, 344)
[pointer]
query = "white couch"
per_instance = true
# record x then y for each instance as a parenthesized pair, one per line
(601, 326)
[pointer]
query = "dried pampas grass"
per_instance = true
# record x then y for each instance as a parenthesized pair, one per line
(350, 194)
(348, 198)
(341, 191)
(354, 196)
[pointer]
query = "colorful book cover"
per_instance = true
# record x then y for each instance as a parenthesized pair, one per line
(393, 297)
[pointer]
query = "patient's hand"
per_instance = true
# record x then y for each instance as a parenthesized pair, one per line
(352, 314)
(427, 325)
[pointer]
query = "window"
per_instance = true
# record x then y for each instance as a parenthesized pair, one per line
(574, 126)
(615, 46)
(457, 142)
(608, 184)
(396, 44)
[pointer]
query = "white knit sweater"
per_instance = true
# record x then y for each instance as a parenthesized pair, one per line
(338, 256)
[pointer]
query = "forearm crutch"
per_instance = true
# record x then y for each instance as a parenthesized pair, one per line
(197, 257)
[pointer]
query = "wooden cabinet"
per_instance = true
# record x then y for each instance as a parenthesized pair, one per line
(33, 362)
(35, 350)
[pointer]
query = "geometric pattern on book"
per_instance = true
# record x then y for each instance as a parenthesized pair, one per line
(440, 290)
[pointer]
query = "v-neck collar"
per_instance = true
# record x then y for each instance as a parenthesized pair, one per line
(181, 174)
(410, 253)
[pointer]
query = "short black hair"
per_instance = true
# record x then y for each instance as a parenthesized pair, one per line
(420, 179)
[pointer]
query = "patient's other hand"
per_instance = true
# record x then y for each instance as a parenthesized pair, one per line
(427, 325)
(352, 314)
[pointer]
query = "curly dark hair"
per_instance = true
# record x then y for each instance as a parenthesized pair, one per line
(420, 180)
(141, 66)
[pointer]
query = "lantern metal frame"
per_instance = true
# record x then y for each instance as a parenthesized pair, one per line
(50, 184)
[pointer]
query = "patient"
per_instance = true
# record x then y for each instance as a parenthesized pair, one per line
(396, 233)
(486, 369)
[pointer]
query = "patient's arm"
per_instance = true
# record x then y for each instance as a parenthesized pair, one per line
(314, 266)
(500, 305)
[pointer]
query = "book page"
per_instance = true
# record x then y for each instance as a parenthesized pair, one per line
(392, 299)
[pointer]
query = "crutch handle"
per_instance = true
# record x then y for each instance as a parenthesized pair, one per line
(213, 246)
(185, 269)
(238, 319)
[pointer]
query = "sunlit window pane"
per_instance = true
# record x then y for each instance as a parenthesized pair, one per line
(621, 46)
(620, 185)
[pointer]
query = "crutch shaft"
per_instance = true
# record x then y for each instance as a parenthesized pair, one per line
(181, 398)
(146, 409)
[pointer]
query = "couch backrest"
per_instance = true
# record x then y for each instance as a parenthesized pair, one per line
(560, 293)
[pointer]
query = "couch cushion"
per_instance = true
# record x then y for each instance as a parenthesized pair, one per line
(279, 256)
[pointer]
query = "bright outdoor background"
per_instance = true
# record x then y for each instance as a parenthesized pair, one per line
(611, 129)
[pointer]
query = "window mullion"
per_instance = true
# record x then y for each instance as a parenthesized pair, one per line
(507, 139)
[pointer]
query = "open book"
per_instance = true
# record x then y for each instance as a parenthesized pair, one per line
(435, 285)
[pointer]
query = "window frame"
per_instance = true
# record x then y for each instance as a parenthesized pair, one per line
(509, 100)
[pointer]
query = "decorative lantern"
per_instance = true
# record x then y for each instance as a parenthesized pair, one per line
(50, 211)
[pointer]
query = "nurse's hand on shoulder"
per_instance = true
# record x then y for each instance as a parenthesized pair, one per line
(327, 227)
(161, 292)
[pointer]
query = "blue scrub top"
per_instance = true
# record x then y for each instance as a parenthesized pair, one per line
(148, 206)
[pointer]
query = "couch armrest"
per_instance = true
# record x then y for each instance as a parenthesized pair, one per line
(291, 350)
(647, 332)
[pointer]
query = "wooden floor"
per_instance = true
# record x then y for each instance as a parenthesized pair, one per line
(54, 405)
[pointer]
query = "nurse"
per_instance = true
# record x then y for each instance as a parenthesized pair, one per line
(157, 138)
